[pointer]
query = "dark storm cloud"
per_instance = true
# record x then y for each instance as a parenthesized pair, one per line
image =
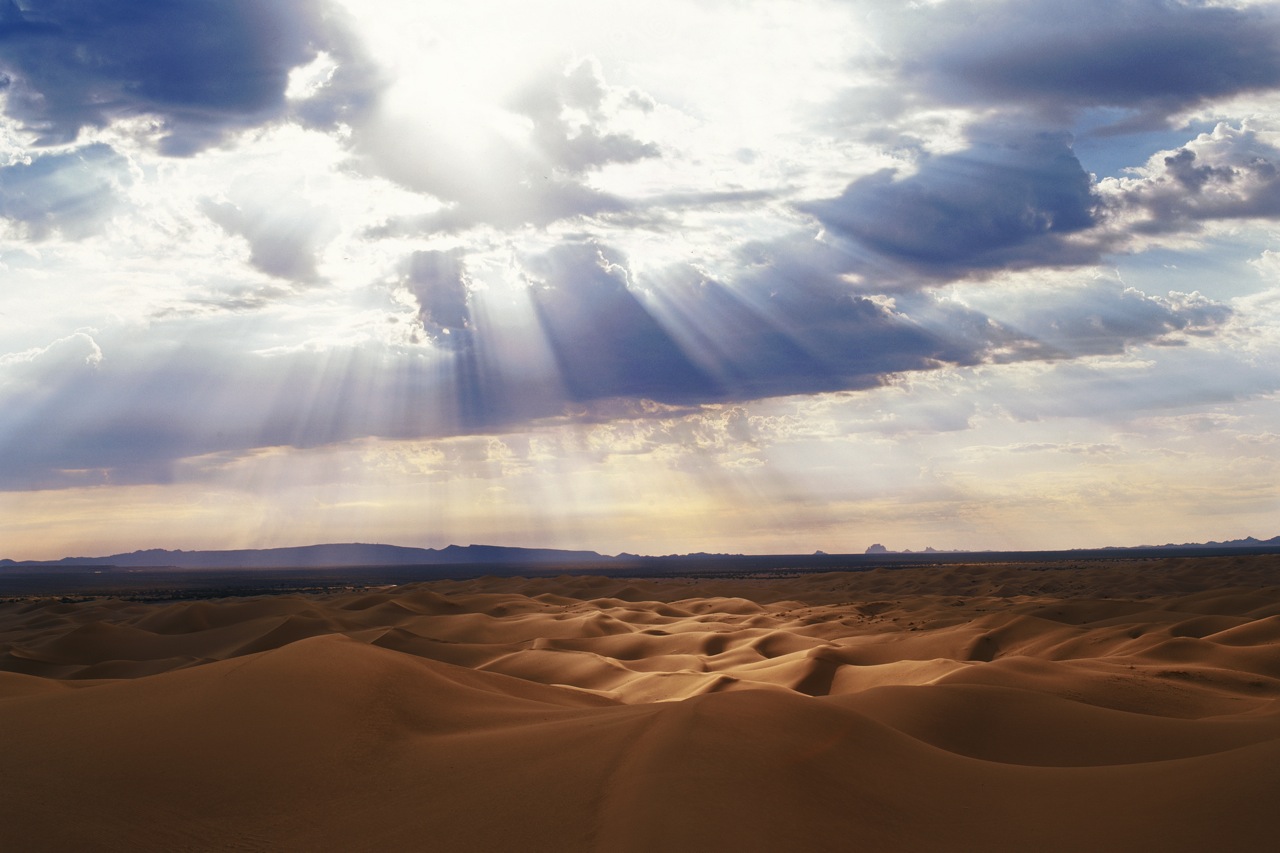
(72, 193)
(1152, 57)
(994, 205)
(200, 67)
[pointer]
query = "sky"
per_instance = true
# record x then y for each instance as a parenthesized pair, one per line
(661, 277)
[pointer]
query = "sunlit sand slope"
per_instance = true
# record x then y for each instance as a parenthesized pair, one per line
(1107, 706)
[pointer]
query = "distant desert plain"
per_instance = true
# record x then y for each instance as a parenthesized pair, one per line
(1101, 705)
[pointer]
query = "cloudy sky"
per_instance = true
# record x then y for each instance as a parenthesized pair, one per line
(651, 277)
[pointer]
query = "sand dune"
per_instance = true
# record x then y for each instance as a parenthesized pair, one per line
(1100, 706)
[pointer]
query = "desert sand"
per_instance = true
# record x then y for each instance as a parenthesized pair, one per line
(1064, 707)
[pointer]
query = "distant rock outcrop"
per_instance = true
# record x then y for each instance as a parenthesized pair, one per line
(877, 549)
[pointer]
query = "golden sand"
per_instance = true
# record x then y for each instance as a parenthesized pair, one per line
(1106, 706)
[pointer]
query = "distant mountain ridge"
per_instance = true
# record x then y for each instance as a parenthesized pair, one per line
(356, 554)
(322, 556)
(1247, 542)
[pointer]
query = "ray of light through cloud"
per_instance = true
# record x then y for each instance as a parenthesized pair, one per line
(665, 277)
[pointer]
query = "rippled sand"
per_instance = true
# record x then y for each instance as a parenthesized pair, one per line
(1103, 706)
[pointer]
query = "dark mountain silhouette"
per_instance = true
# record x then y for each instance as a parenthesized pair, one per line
(322, 556)
(484, 557)
(1247, 542)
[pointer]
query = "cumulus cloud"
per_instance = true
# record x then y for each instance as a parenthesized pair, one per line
(1231, 173)
(72, 353)
(983, 98)
(199, 69)
(72, 193)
